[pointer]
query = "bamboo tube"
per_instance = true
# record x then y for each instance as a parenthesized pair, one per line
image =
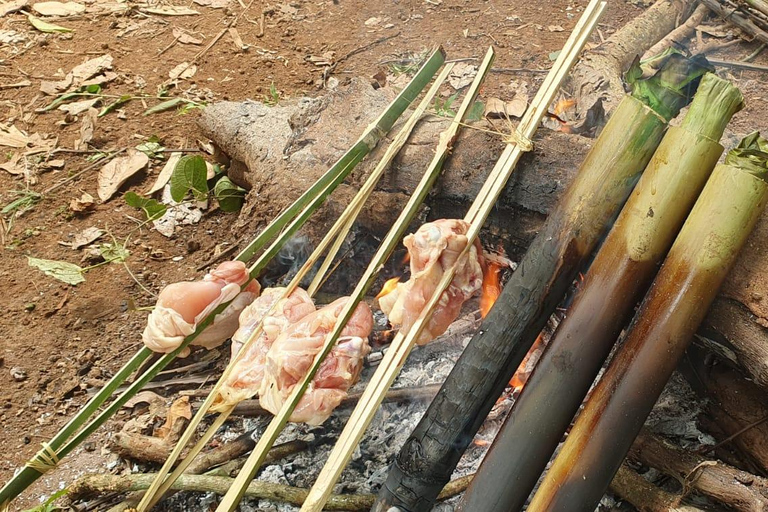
(369, 139)
(404, 341)
(616, 281)
(556, 255)
(338, 232)
(233, 496)
(688, 281)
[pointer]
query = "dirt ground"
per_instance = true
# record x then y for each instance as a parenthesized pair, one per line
(60, 340)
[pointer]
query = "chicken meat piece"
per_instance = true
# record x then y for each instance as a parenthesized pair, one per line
(181, 306)
(293, 352)
(433, 249)
(244, 380)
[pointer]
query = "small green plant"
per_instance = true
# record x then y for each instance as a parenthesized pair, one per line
(443, 107)
(26, 201)
(49, 505)
(273, 97)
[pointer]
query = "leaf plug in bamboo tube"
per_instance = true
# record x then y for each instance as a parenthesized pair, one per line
(708, 244)
(554, 258)
(617, 279)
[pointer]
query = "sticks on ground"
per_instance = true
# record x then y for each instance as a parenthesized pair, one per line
(677, 37)
(738, 18)
(644, 495)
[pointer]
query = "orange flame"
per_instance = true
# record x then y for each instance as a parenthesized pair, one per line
(388, 287)
(491, 288)
(563, 105)
(406, 258)
(523, 371)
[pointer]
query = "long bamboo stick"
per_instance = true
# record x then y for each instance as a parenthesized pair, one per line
(704, 251)
(335, 235)
(232, 498)
(403, 343)
(616, 281)
(547, 270)
(373, 133)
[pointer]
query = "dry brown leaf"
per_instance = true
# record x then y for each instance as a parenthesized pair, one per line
(12, 6)
(185, 37)
(165, 174)
(87, 125)
(85, 237)
(182, 71)
(498, 108)
(84, 203)
(79, 75)
(156, 402)
(58, 8)
(78, 107)
(13, 137)
(12, 37)
(462, 75)
(236, 38)
(117, 172)
(14, 166)
(179, 410)
(169, 10)
(213, 4)
(555, 28)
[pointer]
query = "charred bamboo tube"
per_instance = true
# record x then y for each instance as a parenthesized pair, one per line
(713, 234)
(605, 180)
(616, 281)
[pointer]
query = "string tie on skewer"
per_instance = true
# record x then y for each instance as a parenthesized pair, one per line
(44, 460)
(519, 140)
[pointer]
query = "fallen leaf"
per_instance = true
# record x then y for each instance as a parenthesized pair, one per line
(91, 68)
(114, 252)
(78, 107)
(117, 172)
(12, 37)
(85, 237)
(14, 166)
(170, 10)
(62, 270)
(165, 174)
(185, 37)
(156, 402)
(462, 75)
(13, 6)
(12, 137)
(58, 8)
(87, 124)
(81, 204)
(370, 22)
(213, 4)
(44, 26)
(165, 105)
(53, 164)
(555, 28)
(80, 74)
(180, 410)
(182, 71)
(235, 35)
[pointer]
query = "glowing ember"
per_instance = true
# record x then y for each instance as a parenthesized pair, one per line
(491, 288)
(563, 106)
(480, 442)
(388, 287)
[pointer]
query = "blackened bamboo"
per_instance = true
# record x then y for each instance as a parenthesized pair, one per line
(554, 258)
(617, 279)
(704, 251)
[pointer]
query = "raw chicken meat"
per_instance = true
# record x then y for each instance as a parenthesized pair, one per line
(434, 248)
(181, 306)
(292, 353)
(245, 378)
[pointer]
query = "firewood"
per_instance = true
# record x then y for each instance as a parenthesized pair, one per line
(737, 489)
(706, 248)
(645, 496)
(617, 279)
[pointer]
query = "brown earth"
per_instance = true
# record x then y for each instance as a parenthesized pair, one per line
(66, 339)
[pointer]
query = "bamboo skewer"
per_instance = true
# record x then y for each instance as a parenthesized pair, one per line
(698, 262)
(373, 133)
(337, 235)
(403, 343)
(233, 496)
(615, 282)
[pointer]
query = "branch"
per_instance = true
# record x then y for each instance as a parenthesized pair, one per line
(677, 37)
(641, 493)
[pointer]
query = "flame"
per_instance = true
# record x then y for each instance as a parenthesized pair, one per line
(563, 105)
(406, 258)
(491, 288)
(388, 287)
(523, 371)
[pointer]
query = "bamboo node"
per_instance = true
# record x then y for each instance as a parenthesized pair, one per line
(373, 136)
(44, 460)
(518, 139)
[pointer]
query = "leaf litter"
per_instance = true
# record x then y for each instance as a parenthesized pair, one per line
(117, 171)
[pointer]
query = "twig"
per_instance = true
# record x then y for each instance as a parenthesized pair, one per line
(95, 164)
(330, 69)
(711, 448)
(92, 484)
(751, 56)
(737, 19)
(738, 65)
(678, 36)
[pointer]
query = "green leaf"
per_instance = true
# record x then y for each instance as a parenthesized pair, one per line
(166, 105)
(114, 253)
(44, 26)
(86, 90)
(554, 55)
(475, 112)
(61, 270)
(230, 196)
(190, 173)
(151, 148)
(152, 209)
(122, 100)
(49, 505)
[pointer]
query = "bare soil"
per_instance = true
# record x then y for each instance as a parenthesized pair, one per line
(58, 340)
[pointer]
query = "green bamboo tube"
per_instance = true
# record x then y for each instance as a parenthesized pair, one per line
(553, 260)
(616, 281)
(708, 244)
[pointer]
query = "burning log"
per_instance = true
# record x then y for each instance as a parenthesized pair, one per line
(542, 278)
(615, 282)
(686, 285)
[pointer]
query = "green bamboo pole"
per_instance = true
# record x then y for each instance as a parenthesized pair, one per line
(605, 301)
(320, 189)
(706, 248)
(547, 270)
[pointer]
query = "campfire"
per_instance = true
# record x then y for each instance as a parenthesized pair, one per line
(461, 380)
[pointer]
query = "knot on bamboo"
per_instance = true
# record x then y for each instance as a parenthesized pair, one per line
(44, 460)
(518, 139)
